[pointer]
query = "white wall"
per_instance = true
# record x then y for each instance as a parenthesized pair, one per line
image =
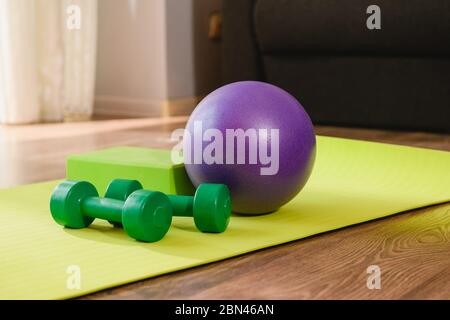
(153, 54)
(180, 48)
(131, 54)
(193, 60)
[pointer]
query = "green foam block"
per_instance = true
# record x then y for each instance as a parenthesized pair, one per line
(152, 167)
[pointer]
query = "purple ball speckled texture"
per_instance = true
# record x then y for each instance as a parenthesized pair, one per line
(255, 105)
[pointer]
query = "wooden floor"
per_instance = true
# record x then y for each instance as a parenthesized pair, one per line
(412, 249)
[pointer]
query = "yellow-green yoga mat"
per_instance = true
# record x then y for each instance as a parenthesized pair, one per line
(352, 182)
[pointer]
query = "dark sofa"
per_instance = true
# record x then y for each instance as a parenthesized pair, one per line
(322, 52)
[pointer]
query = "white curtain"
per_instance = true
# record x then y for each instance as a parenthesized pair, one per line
(47, 60)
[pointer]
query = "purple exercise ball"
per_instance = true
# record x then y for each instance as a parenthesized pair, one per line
(257, 106)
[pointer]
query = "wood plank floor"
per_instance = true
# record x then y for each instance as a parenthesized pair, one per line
(412, 249)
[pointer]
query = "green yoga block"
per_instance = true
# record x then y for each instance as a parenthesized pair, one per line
(152, 167)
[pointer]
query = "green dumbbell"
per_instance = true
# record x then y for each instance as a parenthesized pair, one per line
(145, 215)
(121, 189)
(210, 206)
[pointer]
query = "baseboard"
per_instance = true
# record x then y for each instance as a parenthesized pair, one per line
(130, 107)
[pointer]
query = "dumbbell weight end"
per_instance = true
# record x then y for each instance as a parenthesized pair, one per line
(210, 207)
(121, 189)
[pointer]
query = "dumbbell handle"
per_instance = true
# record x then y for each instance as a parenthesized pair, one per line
(183, 206)
(102, 208)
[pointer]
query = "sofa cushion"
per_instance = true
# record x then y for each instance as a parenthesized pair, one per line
(408, 27)
(384, 92)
